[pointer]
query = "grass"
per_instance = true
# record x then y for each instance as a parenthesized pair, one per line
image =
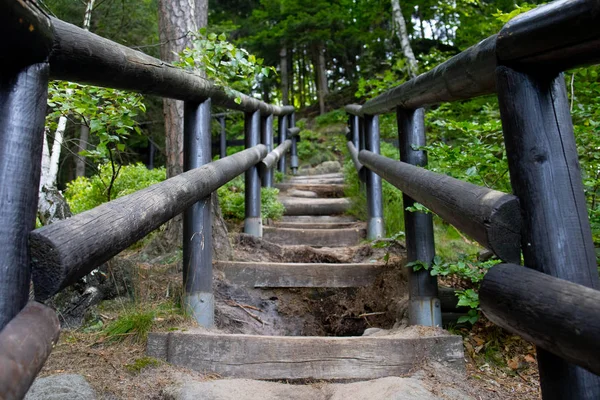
(141, 363)
(131, 325)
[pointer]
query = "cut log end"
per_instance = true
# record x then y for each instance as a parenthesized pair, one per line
(47, 274)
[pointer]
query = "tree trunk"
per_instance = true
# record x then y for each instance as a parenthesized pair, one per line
(320, 75)
(283, 66)
(402, 33)
(84, 136)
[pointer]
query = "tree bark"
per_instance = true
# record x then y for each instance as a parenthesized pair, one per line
(402, 34)
(84, 136)
(283, 66)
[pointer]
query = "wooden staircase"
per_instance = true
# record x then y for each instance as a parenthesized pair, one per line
(313, 219)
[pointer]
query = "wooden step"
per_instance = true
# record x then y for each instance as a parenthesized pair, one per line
(295, 357)
(333, 175)
(315, 237)
(322, 190)
(302, 225)
(269, 275)
(297, 206)
(306, 194)
(318, 219)
(323, 181)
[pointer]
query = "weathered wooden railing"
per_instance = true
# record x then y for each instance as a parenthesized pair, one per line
(546, 218)
(37, 48)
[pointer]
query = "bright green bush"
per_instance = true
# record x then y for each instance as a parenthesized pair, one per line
(231, 200)
(86, 193)
(314, 148)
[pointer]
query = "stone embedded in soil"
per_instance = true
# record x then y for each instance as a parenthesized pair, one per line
(390, 388)
(61, 387)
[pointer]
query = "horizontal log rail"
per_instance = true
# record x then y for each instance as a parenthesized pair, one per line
(533, 39)
(68, 250)
(77, 55)
(360, 170)
(557, 315)
(490, 217)
(25, 344)
(273, 157)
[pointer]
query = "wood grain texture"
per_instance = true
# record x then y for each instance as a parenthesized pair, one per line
(22, 111)
(83, 57)
(490, 217)
(558, 316)
(261, 274)
(323, 190)
(293, 357)
(65, 251)
(536, 38)
(318, 225)
(545, 175)
(296, 206)
(315, 237)
(25, 344)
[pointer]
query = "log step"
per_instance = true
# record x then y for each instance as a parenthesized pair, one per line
(318, 219)
(297, 206)
(302, 225)
(295, 357)
(333, 175)
(306, 194)
(322, 190)
(315, 237)
(270, 275)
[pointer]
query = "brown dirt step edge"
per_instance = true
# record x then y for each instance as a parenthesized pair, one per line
(308, 357)
(325, 275)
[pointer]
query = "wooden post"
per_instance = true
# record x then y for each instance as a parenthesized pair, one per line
(375, 227)
(267, 140)
(544, 171)
(23, 96)
(253, 221)
(294, 155)
(283, 125)
(197, 220)
(424, 305)
(222, 138)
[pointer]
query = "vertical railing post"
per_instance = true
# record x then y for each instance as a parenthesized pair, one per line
(197, 220)
(282, 126)
(253, 221)
(294, 149)
(544, 172)
(375, 228)
(424, 305)
(267, 140)
(23, 96)
(222, 138)
(355, 131)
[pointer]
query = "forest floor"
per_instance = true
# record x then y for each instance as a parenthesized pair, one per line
(499, 365)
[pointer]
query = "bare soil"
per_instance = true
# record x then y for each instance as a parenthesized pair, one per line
(157, 281)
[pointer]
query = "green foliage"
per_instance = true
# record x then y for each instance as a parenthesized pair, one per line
(133, 326)
(228, 66)
(338, 116)
(142, 363)
(468, 271)
(86, 193)
(231, 200)
(314, 148)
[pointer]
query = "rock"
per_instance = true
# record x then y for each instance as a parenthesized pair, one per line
(390, 388)
(61, 387)
(370, 331)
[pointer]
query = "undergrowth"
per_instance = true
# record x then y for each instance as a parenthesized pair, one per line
(232, 201)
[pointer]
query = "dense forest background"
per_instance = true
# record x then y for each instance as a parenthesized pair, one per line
(331, 53)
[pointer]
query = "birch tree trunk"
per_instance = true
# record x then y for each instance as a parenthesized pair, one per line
(402, 34)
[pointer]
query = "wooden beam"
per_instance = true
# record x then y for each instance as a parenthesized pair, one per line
(265, 275)
(490, 217)
(557, 315)
(315, 237)
(25, 344)
(68, 250)
(296, 357)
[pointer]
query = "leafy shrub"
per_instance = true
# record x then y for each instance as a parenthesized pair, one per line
(333, 117)
(232, 201)
(314, 148)
(86, 193)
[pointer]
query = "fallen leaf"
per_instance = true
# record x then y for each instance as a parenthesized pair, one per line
(529, 358)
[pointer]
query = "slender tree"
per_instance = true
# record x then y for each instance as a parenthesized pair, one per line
(402, 33)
